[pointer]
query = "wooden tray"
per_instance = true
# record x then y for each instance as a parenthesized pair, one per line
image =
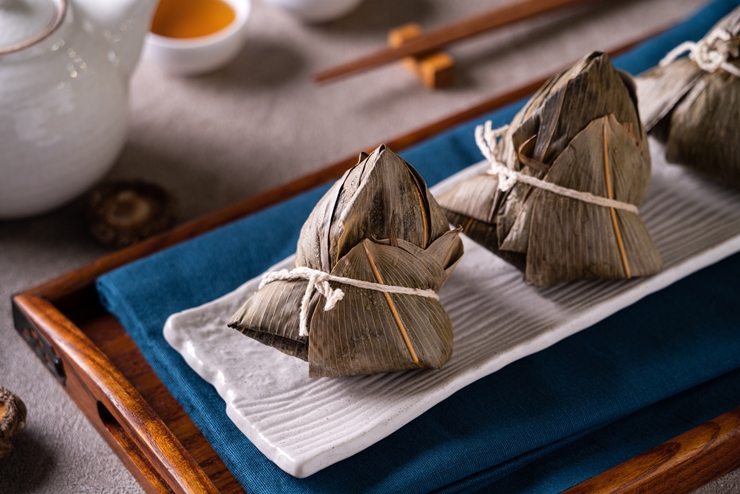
(103, 371)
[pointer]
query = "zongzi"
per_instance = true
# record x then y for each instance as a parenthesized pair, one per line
(693, 104)
(560, 199)
(370, 260)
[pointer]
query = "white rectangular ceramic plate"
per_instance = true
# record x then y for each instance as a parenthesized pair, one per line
(304, 425)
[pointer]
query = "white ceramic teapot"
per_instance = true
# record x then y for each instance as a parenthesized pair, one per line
(64, 71)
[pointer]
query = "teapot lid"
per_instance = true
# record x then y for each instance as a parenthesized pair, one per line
(25, 22)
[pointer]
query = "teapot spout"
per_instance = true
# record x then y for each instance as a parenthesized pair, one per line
(124, 24)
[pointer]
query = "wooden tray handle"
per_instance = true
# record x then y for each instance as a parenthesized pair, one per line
(119, 413)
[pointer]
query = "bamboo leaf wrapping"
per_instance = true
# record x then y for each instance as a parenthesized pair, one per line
(696, 113)
(377, 224)
(581, 131)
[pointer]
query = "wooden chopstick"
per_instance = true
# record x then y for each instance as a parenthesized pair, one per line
(445, 35)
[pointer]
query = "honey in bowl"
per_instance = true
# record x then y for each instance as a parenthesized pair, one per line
(191, 18)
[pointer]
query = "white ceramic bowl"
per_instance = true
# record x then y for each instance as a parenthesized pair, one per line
(314, 11)
(200, 55)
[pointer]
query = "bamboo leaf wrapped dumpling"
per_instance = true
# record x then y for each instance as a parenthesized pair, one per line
(560, 201)
(693, 104)
(370, 259)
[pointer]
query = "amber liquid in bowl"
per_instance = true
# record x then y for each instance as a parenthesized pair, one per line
(191, 18)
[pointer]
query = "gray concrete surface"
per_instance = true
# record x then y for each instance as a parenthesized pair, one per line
(255, 124)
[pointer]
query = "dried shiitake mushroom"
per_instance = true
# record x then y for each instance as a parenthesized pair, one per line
(123, 213)
(12, 420)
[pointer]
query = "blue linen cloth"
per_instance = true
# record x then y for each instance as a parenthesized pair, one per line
(541, 424)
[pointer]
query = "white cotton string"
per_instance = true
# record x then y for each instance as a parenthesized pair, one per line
(711, 53)
(488, 142)
(319, 281)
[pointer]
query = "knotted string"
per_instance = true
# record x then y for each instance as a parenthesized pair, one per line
(319, 281)
(711, 53)
(490, 143)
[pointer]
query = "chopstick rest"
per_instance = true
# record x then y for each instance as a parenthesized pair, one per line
(435, 69)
